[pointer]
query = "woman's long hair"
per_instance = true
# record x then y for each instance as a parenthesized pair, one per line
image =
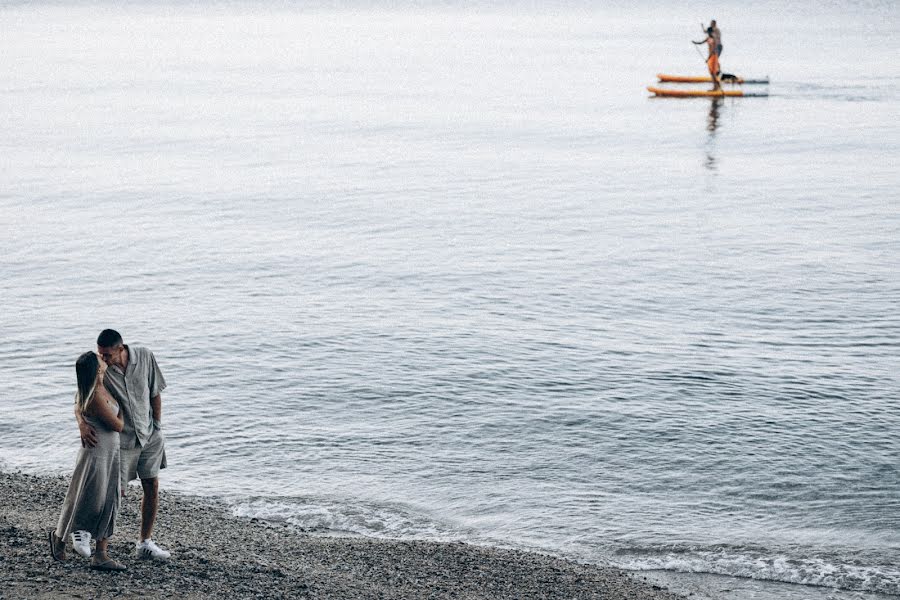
(86, 370)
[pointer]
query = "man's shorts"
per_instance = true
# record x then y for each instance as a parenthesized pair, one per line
(144, 461)
(713, 64)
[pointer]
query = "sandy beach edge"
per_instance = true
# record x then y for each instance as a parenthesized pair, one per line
(215, 555)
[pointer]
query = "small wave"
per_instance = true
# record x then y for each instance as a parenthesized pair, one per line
(326, 516)
(837, 572)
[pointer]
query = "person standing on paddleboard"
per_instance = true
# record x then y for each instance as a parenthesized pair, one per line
(712, 60)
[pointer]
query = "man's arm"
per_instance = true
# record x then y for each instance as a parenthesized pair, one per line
(88, 435)
(156, 410)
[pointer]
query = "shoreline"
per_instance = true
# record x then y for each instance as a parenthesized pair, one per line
(215, 554)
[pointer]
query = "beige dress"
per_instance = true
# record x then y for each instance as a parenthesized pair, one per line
(92, 500)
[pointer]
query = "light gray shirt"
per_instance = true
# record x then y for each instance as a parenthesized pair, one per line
(133, 389)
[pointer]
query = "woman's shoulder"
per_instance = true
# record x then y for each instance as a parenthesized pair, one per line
(101, 395)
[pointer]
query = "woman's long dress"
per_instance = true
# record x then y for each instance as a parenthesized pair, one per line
(92, 500)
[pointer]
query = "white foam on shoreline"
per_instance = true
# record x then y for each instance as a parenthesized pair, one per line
(707, 586)
(834, 572)
(340, 517)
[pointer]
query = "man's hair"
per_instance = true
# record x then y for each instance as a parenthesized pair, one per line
(109, 338)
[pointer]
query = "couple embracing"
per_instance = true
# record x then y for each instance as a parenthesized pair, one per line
(119, 410)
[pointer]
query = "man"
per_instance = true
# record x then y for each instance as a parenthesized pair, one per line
(717, 36)
(135, 381)
(712, 59)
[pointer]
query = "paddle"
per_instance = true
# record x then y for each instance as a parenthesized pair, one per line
(694, 44)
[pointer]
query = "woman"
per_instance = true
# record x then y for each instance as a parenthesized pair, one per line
(712, 59)
(92, 500)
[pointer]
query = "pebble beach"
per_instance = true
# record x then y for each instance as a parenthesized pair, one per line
(216, 555)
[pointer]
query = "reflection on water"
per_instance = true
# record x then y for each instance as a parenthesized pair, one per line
(712, 120)
(712, 124)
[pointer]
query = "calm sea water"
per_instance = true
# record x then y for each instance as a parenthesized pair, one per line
(447, 272)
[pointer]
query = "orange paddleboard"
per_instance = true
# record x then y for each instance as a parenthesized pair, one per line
(698, 93)
(663, 78)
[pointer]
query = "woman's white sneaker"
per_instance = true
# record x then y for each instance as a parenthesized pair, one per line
(149, 550)
(81, 542)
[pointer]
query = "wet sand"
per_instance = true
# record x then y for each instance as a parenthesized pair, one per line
(216, 555)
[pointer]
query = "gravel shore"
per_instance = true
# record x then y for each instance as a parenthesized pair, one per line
(215, 555)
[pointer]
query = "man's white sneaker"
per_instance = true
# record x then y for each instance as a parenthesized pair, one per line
(81, 542)
(148, 549)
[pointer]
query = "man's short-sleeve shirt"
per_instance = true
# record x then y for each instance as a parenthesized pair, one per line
(133, 389)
